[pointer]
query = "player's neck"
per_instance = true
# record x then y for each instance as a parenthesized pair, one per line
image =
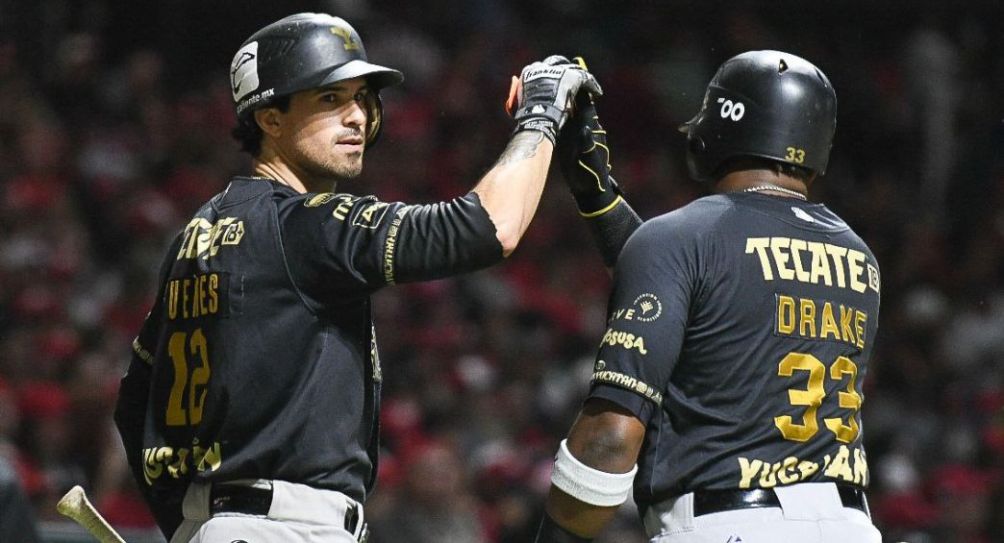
(271, 165)
(761, 180)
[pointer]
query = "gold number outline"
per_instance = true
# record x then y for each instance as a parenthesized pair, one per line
(814, 395)
(847, 399)
(811, 397)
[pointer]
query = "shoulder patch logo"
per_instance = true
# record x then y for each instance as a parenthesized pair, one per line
(371, 215)
(319, 199)
(801, 214)
(644, 308)
(873, 278)
(648, 307)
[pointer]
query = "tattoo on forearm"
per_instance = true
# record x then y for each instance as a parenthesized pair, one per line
(521, 147)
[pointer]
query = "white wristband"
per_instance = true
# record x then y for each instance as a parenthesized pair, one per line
(590, 485)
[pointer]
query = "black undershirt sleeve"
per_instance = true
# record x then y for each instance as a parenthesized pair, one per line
(611, 229)
(443, 239)
(340, 246)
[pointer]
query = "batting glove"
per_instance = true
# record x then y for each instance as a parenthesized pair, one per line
(584, 159)
(540, 99)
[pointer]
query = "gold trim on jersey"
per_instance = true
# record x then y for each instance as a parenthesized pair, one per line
(388, 249)
(628, 383)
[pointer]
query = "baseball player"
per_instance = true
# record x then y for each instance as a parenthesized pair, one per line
(728, 386)
(250, 408)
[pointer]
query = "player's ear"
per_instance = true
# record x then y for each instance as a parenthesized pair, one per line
(269, 119)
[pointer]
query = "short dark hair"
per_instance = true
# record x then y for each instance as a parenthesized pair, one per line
(248, 133)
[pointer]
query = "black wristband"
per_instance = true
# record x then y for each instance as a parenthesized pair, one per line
(591, 203)
(551, 532)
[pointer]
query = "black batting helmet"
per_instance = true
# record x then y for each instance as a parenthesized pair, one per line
(301, 52)
(764, 104)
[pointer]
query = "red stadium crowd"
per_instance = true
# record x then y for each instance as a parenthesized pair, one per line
(104, 159)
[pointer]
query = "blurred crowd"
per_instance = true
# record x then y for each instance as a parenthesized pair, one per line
(107, 147)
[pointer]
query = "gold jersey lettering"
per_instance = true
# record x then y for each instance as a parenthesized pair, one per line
(837, 253)
(856, 270)
(203, 239)
(785, 315)
(345, 203)
(860, 467)
(768, 475)
(179, 462)
(797, 246)
(847, 333)
(811, 319)
(624, 339)
(829, 326)
(820, 266)
(781, 257)
(860, 319)
(847, 466)
(759, 245)
(207, 458)
(193, 297)
(840, 467)
(807, 320)
(807, 469)
(748, 470)
(813, 262)
(788, 473)
(172, 299)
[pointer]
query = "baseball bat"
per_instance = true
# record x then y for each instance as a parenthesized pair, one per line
(76, 506)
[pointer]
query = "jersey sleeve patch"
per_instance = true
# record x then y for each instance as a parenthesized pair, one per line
(601, 375)
(389, 245)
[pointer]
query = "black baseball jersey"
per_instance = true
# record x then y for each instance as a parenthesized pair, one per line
(740, 328)
(258, 359)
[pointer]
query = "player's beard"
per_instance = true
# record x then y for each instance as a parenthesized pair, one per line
(333, 163)
(345, 166)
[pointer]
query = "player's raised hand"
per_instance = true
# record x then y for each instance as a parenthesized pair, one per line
(541, 97)
(584, 158)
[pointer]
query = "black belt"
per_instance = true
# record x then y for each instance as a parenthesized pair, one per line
(717, 501)
(249, 500)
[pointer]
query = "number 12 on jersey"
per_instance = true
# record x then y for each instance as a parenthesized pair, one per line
(191, 387)
(813, 395)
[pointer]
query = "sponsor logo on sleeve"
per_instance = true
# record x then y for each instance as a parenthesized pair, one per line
(626, 382)
(345, 202)
(645, 308)
(626, 340)
(371, 215)
(319, 200)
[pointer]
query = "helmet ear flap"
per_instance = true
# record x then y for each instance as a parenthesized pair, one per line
(374, 117)
(697, 158)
